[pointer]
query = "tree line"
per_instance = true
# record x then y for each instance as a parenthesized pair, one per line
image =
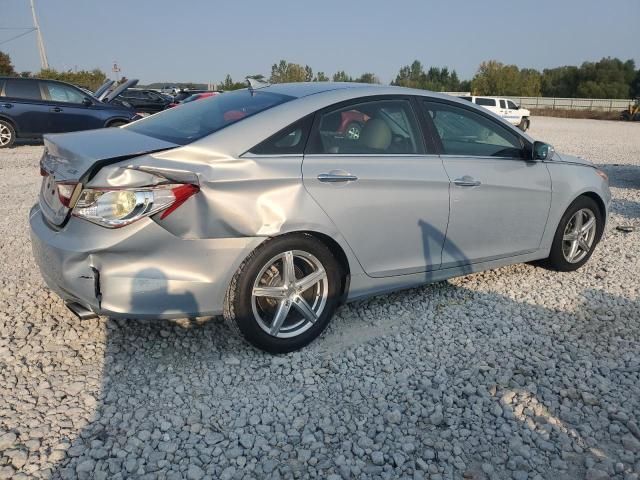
(606, 78)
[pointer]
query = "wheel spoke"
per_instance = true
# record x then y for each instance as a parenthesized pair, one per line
(570, 237)
(303, 307)
(280, 316)
(289, 273)
(584, 245)
(310, 280)
(577, 226)
(587, 226)
(573, 251)
(272, 292)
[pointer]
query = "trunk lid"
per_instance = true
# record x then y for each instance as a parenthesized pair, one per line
(74, 158)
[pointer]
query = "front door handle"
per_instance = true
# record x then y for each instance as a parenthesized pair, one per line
(336, 176)
(55, 109)
(467, 181)
(7, 105)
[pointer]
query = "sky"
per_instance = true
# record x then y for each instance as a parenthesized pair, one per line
(203, 40)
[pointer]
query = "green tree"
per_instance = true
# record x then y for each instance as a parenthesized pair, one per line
(561, 82)
(496, 78)
(84, 78)
(321, 77)
(436, 78)
(6, 68)
(367, 78)
(341, 76)
(228, 84)
(285, 72)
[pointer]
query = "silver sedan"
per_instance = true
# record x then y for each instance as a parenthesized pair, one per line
(274, 204)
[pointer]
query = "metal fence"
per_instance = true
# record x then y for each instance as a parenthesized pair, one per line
(601, 104)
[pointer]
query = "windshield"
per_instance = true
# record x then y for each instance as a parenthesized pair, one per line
(194, 120)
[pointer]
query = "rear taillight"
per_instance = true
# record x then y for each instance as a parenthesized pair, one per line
(115, 208)
(65, 192)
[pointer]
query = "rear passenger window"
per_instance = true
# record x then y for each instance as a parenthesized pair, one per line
(377, 127)
(26, 89)
(463, 132)
(290, 141)
(486, 102)
(503, 104)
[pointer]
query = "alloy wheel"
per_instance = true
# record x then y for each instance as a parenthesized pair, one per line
(5, 135)
(289, 294)
(579, 235)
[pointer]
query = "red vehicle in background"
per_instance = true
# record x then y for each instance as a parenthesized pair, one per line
(195, 96)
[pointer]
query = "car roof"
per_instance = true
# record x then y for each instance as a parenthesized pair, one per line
(305, 89)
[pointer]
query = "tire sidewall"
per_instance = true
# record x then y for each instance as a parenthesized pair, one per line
(243, 286)
(13, 134)
(556, 257)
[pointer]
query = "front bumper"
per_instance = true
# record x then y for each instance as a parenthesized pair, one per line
(138, 271)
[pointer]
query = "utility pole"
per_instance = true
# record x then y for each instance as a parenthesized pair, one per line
(44, 63)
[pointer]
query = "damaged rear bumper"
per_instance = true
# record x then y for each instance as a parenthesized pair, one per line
(139, 271)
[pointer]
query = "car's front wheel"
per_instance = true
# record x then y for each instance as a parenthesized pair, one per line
(284, 294)
(577, 235)
(7, 134)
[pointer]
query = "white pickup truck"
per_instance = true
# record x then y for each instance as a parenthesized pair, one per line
(505, 108)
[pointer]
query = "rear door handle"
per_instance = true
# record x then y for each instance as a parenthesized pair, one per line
(7, 105)
(467, 181)
(336, 176)
(55, 109)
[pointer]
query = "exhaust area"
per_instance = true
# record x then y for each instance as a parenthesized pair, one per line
(79, 311)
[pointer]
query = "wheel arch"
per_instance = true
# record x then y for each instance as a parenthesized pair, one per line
(11, 122)
(109, 122)
(335, 248)
(600, 203)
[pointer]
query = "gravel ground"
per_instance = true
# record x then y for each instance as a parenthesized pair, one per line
(515, 373)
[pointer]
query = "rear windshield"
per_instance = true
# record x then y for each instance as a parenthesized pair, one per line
(487, 102)
(189, 122)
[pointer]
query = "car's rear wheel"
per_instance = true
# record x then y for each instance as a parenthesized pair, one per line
(284, 294)
(116, 123)
(7, 134)
(524, 124)
(578, 233)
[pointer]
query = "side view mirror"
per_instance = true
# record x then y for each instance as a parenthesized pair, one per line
(542, 151)
(86, 101)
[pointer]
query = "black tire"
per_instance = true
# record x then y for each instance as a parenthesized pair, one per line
(625, 115)
(7, 134)
(239, 303)
(524, 124)
(116, 123)
(557, 260)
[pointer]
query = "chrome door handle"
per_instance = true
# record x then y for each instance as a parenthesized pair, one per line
(7, 105)
(467, 181)
(55, 109)
(336, 176)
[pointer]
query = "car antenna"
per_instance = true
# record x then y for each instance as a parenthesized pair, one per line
(255, 84)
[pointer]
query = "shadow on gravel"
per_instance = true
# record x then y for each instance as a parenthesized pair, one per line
(622, 175)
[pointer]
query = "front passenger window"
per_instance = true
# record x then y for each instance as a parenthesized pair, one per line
(377, 127)
(466, 133)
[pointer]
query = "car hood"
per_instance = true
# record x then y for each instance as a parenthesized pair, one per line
(119, 89)
(77, 156)
(564, 158)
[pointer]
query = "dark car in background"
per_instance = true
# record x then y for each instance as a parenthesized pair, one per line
(184, 94)
(194, 97)
(146, 101)
(31, 107)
